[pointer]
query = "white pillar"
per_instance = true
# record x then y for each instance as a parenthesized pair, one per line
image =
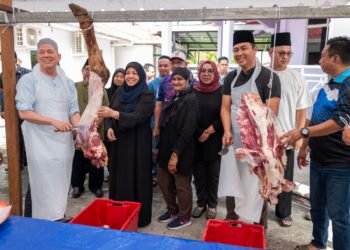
(227, 38)
(219, 43)
(166, 38)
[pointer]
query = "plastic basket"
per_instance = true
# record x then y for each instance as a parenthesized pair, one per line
(122, 215)
(235, 233)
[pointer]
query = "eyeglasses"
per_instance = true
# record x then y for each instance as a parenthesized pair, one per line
(283, 53)
(209, 71)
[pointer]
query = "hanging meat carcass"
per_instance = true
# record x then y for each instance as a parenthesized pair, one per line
(88, 138)
(263, 151)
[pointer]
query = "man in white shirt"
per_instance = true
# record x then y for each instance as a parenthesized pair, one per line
(292, 111)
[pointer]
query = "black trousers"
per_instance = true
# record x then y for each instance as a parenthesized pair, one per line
(82, 166)
(22, 149)
(206, 180)
(231, 214)
(28, 203)
(284, 205)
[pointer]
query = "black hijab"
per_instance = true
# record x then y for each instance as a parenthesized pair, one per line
(130, 94)
(175, 105)
(113, 87)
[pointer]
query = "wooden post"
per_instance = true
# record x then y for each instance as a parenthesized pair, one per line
(11, 115)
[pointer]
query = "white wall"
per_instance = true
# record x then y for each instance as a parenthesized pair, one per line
(339, 27)
(139, 53)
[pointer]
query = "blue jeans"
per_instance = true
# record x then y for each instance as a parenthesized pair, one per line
(330, 199)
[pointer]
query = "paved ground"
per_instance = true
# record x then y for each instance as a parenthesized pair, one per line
(277, 237)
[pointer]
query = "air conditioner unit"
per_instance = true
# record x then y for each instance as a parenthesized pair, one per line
(26, 36)
(31, 37)
(79, 43)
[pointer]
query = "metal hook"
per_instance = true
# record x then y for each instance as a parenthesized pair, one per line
(49, 24)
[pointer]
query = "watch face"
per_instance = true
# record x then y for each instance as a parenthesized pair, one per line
(305, 132)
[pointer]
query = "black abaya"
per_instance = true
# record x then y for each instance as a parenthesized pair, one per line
(131, 155)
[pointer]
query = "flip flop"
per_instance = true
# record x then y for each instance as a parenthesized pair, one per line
(302, 247)
(283, 223)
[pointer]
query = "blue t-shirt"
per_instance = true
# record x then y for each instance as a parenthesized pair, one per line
(154, 86)
(333, 102)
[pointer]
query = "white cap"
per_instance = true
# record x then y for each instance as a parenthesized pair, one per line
(178, 54)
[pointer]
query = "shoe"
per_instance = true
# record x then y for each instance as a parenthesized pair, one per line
(307, 216)
(154, 183)
(179, 223)
(211, 213)
(65, 219)
(167, 217)
(99, 193)
(76, 192)
(198, 211)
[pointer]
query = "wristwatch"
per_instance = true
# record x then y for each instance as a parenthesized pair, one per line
(305, 132)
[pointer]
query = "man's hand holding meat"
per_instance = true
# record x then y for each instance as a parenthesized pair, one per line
(61, 126)
(291, 137)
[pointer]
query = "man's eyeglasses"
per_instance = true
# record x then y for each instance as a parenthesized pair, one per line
(209, 71)
(283, 54)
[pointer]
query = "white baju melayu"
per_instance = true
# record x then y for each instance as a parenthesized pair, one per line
(49, 153)
(294, 97)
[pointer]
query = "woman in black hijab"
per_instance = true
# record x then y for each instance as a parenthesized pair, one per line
(116, 82)
(178, 124)
(129, 130)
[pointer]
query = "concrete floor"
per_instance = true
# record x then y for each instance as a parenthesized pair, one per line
(277, 237)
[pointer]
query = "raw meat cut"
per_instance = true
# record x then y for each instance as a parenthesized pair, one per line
(88, 139)
(263, 150)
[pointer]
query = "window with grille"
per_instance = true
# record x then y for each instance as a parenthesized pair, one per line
(79, 43)
(19, 36)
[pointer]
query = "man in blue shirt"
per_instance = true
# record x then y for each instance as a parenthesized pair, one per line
(164, 68)
(330, 157)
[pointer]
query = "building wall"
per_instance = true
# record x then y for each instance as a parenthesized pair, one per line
(139, 53)
(339, 27)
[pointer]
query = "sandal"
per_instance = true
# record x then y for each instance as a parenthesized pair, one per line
(198, 211)
(307, 247)
(286, 222)
(302, 247)
(211, 213)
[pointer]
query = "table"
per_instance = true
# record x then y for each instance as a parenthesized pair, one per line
(26, 233)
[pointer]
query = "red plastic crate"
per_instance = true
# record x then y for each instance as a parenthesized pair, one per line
(122, 215)
(235, 233)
